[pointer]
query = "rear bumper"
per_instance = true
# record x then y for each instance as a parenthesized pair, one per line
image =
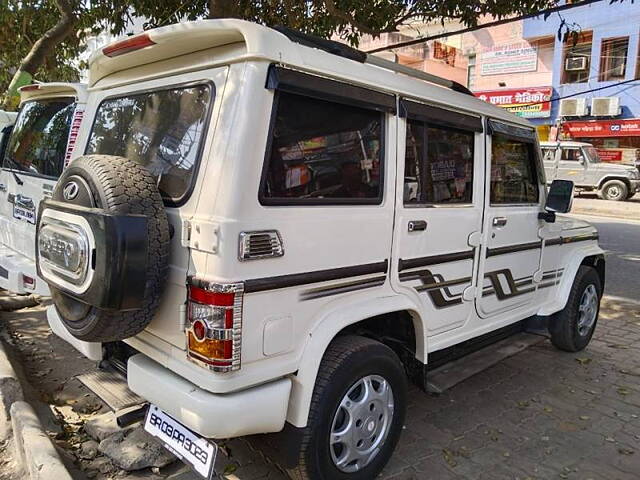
(13, 266)
(260, 409)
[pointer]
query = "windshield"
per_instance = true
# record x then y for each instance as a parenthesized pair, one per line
(161, 130)
(591, 154)
(39, 139)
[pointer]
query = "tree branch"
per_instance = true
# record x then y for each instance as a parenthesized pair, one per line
(345, 17)
(52, 37)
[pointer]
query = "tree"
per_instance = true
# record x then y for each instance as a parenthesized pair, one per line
(43, 38)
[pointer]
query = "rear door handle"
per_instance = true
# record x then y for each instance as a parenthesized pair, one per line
(417, 225)
(499, 221)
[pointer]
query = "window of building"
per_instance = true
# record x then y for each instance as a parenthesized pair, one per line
(323, 152)
(577, 59)
(613, 59)
(438, 165)
(471, 72)
(514, 179)
(39, 140)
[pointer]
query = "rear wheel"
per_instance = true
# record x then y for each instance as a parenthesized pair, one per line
(571, 328)
(356, 415)
(615, 190)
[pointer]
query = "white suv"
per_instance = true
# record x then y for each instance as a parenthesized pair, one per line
(269, 229)
(42, 142)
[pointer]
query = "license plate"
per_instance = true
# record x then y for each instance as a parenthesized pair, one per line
(188, 446)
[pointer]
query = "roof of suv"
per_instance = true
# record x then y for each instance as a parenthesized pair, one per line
(54, 89)
(564, 143)
(257, 42)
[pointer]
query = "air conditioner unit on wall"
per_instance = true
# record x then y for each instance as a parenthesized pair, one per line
(605, 106)
(573, 107)
(576, 64)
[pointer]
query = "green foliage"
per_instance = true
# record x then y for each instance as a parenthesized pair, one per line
(22, 22)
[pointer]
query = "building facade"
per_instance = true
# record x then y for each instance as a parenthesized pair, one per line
(596, 95)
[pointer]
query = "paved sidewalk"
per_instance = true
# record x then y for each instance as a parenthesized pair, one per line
(542, 414)
(590, 204)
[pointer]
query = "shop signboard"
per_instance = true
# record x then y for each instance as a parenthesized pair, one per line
(603, 128)
(610, 155)
(510, 58)
(532, 102)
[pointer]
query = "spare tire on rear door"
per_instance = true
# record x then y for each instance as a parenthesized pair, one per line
(102, 246)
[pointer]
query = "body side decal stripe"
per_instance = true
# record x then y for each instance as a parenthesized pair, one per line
(306, 278)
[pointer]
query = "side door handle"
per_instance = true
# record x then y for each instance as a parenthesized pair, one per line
(417, 225)
(499, 222)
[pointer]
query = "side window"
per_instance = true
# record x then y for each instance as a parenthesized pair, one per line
(513, 171)
(438, 165)
(570, 154)
(39, 139)
(548, 154)
(323, 152)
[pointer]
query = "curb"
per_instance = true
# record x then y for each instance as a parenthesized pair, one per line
(10, 388)
(35, 451)
(37, 454)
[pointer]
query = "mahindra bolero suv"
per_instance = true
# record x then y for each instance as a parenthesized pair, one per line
(580, 163)
(268, 231)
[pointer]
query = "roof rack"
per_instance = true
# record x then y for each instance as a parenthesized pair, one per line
(342, 50)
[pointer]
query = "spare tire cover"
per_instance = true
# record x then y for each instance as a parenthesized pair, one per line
(119, 186)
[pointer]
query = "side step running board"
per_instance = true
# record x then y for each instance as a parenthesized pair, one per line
(110, 386)
(450, 374)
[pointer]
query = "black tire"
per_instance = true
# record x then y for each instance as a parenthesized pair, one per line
(614, 190)
(630, 195)
(117, 185)
(564, 326)
(348, 359)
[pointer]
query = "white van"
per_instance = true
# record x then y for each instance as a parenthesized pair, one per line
(271, 231)
(42, 142)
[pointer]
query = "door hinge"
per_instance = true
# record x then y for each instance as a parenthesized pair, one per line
(200, 235)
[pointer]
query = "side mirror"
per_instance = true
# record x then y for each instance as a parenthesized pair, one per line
(559, 200)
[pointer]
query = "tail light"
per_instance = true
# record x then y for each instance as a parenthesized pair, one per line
(128, 45)
(214, 324)
(28, 283)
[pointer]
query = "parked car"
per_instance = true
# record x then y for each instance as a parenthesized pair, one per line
(43, 140)
(260, 237)
(580, 163)
(7, 119)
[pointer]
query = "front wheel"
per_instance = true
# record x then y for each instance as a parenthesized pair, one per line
(615, 190)
(356, 415)
(571, 328)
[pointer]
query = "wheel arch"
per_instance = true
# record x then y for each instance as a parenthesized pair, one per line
(592, 256)
(608, 178)
(370, 319)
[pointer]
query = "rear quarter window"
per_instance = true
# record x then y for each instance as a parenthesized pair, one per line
(323, 153)
(161, 129)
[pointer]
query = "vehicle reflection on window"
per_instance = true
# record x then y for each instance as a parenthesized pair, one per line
(161, 130)
(323, 151)
(438, 165)
(514, 179)
(39, 139)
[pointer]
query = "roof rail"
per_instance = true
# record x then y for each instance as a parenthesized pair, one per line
(342, 50)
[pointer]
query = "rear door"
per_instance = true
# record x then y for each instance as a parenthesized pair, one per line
(549, 162)
(512, 248)
(572, 165)
(439, 213)
(33, 161)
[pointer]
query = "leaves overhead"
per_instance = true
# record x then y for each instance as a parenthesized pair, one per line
(24, 21)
